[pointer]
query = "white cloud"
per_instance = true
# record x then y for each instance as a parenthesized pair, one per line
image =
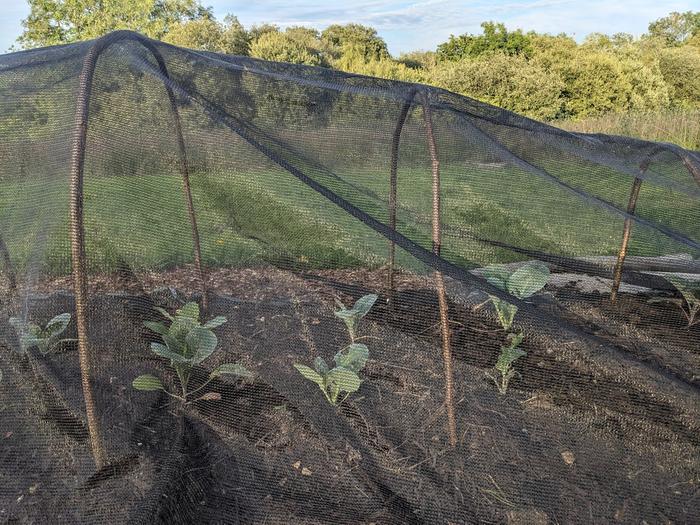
(422, 24)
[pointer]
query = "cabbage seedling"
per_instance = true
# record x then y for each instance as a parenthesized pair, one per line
(522, 283)
(504, 366)
(352, 316)
(690, 303)
(349, 361)
(186, 343)
(31, 335)
(343, 378)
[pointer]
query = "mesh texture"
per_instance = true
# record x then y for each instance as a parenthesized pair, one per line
(138, 179)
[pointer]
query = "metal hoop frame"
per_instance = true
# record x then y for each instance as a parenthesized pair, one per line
(77, 226)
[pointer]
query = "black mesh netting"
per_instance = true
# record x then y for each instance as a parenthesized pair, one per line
(236, 291)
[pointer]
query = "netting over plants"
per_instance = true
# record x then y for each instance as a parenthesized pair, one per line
(236, 291)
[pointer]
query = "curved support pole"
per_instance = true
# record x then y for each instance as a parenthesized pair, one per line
(393, 178)
(76, 215)
(626, 232)
(7, 264)
(439, 280)
(632, 205)
(692, 168)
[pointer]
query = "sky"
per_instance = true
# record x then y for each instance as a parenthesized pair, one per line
(421, 25)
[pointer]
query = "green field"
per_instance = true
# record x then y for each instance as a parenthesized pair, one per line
(269, 216)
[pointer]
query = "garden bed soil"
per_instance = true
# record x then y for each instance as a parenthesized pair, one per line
(568, 443)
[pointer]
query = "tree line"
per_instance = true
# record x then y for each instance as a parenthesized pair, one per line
(542, 76)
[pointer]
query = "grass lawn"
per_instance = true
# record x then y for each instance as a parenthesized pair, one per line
(270, 216)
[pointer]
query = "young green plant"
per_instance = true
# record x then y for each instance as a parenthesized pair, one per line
(186, 343)
(504, 366)
(352, 316)
(31, 335)
(522, 283)
(349, 361)
(689, 304)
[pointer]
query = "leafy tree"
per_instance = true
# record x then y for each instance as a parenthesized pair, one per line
(296, 45)
(362, 40)
(208, 34)
(496, 38)
(52, 22)
(257, 31)
(597, 82)
(680, 67)
(694, 41)
(385, 68)
(614, 42)
(511, 82)
(676, 28)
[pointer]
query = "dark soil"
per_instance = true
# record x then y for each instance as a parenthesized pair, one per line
(571, 441)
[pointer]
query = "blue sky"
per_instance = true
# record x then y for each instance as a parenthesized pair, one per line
(410, 25)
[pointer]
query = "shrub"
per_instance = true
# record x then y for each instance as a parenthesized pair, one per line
(511, 82)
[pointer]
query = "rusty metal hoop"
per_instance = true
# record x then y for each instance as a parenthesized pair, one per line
(393, 179)
(632, 205)
(439, 279)
(76, 213)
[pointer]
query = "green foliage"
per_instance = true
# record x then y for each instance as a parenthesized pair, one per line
(676, 28)
(297, 45)
(545, 77)
(52, 22)
(598, 82)
(343, 378)
(680, 67)
(44, 339)
(510, 82)
(614, 42)
(258, 30)
(504, 366)
(522, 283)
(358, 40)
(352, 316)
(384, 68)
(495, 38)
(690, 292)
(186, 343)
(207, 34)
(349, 361)
(418, 60)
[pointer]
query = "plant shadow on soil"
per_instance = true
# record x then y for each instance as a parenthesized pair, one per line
(567, 444)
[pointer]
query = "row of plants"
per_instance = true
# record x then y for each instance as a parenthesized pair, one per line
(187, 342)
